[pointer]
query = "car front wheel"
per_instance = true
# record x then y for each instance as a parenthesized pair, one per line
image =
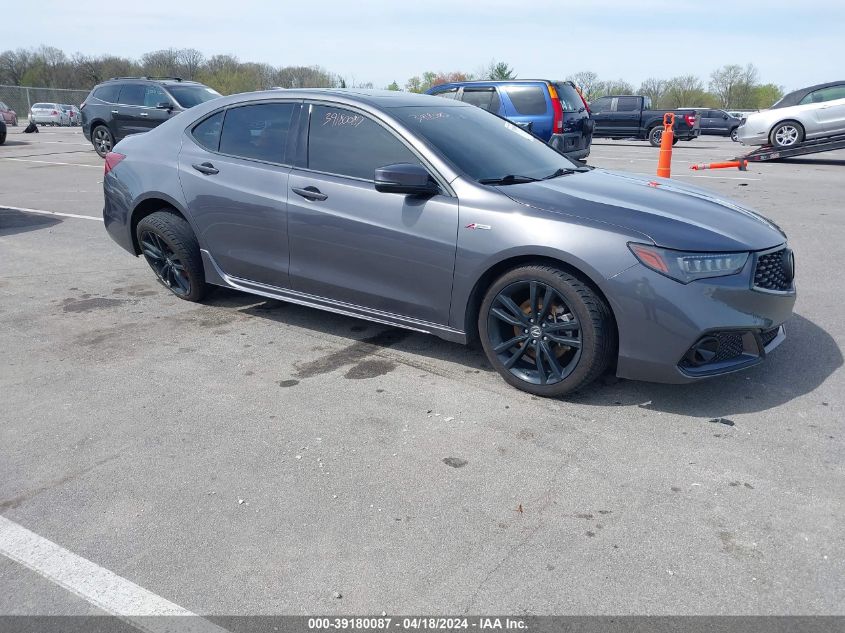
(172, 251)
(735, 135)
(787, 134)
(545, 331)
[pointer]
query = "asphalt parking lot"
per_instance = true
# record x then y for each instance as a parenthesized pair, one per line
(247, 456)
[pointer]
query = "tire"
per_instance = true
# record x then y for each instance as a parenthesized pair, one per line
(15, 122)
(675, 140)
(2, 132)
(102, 139)
(171, 249)
(654, 135)
(735, 135)
(786, 134)
(507, 310)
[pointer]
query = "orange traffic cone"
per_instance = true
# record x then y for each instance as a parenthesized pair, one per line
(664, 162)
(741, 164)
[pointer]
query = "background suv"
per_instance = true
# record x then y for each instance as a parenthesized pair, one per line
(129, 105)
(551, 110)
(717, 122)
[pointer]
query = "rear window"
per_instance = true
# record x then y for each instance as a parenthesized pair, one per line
(627, 104)
(527, 99)
(570, 100)
(43, 106)
(107, 93)
(257, 131)
(132, 94)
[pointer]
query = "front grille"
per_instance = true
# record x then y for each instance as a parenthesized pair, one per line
(730, 346)
(767, 336)
(769, 274)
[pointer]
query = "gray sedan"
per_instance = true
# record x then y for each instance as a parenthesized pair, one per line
(436, 216)
(806, 114)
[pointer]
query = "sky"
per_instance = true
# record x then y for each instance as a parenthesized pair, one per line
(792, 43)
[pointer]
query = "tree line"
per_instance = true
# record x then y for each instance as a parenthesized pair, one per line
(730, 86)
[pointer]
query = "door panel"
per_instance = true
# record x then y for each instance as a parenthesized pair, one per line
(240, 213)
(831, 115)
(383, 251)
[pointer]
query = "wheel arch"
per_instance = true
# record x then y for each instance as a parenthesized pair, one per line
(496, 270)
(149, 205)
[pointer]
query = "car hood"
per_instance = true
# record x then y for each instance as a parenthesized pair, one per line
(671, 214)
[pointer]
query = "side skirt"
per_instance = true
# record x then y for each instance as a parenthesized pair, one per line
(214, 275)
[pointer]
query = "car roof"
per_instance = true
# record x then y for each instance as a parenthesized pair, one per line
(157, 80)
(377, 98)
(792, 98)
(500, 82)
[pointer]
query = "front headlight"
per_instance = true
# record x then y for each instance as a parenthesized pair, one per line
(685, 266)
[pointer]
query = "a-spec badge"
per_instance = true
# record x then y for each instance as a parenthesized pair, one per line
(476, 225)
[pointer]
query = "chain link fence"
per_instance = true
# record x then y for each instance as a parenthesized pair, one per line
(21, 98)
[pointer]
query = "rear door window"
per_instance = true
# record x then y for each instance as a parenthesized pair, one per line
(601, 105)
(258, 132)
(132, 94)
(346, 143)
(527, 100)
(485, 98)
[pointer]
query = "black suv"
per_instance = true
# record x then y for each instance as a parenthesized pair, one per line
(129, 105)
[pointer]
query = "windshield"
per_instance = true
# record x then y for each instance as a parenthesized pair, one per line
(190, 96)
(483, 145)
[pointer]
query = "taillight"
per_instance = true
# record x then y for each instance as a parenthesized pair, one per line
(112, 159)
(54, 112)
(690, 119)
(557, 109)
(584, 101)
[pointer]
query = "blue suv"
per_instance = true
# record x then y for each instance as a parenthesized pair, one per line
(552, 110)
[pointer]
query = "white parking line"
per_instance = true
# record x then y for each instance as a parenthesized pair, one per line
(49, 162)
(96, 585)
(64, 215)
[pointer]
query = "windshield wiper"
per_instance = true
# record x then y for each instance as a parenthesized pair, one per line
(510, 179)
(565, 171)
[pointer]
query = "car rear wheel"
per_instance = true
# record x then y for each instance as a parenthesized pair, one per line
(172, 251)
(15, 122)
(545, 331)
(102, 139)
(655, 135)
(786, 134)
(2, 132)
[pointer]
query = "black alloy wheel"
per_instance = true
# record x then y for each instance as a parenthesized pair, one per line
(545, 331)
(103, 140)
(172, 251)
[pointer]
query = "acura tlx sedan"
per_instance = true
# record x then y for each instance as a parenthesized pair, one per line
(440, 217)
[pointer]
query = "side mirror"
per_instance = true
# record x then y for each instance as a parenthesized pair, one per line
(164, 105)
(405, 178)
(725, 117)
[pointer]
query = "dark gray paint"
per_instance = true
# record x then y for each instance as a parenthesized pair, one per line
(414, 263)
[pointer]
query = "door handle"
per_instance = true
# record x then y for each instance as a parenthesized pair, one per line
(310, 193)
(114, 111)
(143, 114)
(206, 168)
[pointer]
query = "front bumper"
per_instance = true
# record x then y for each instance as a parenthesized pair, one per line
(747, 136)
(662, 321)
